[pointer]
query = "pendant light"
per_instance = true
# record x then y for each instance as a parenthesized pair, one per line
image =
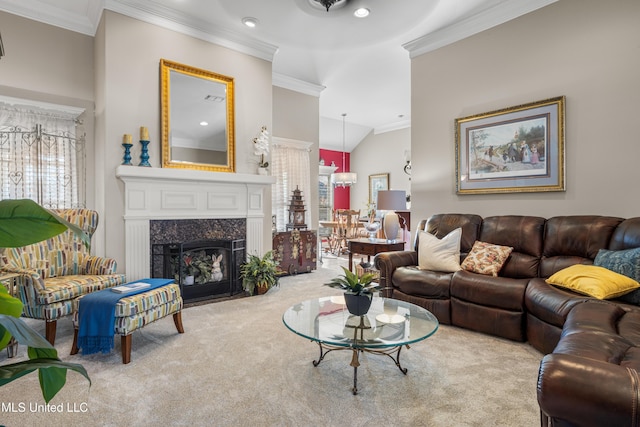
(343, 179)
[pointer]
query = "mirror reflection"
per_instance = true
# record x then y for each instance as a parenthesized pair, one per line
(197, 119)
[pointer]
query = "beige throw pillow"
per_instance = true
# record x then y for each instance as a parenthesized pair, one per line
(439, 254)
(486, 258)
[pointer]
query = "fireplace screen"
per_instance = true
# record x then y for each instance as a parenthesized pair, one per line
(204, 269)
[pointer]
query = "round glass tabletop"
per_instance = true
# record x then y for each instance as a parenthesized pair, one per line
(389, 323)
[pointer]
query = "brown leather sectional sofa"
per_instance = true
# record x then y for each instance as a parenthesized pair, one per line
(589, 374)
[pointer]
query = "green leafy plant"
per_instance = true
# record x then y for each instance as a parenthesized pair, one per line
(23, 222)
(259, 272)
(201, 265)
(350, 282)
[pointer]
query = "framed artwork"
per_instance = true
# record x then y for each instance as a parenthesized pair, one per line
(376, 183)
(517, 149)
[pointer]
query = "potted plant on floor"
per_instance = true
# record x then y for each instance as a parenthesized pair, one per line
(24, 222)
(259, 274)
(357, 294)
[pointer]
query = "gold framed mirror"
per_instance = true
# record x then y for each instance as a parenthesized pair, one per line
(198, 127)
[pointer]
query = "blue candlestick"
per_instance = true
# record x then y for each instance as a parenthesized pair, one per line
(127, 153)
(144, 154)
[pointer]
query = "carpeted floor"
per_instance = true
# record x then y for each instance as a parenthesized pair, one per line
(238, 365)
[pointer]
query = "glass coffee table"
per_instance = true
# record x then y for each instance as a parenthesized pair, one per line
(388, 326)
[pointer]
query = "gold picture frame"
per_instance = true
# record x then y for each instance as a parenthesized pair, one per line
(513, 150)
(197, 118)
(377, 182)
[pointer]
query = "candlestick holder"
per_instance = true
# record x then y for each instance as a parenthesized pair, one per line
(127, 153)
(144, 154)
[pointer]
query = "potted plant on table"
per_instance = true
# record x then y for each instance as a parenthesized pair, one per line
(259, 274)
(358, 293)
(24, 222)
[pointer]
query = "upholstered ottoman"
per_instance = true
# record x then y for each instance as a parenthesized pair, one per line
(135, 311)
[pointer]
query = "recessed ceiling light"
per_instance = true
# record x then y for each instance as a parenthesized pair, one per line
(204, 124)
(250, 22)
(361, 12)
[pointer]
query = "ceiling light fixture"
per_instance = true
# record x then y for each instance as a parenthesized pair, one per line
(327, 3)
(343, 179)
(361, 12)
(250, 22)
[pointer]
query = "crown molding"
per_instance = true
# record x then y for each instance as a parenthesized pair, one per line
(165, 17)
(38, 11)
(297, 85)
(44, 107)
(155, 14)
(393, 126)
(291, 143)
(494, 16)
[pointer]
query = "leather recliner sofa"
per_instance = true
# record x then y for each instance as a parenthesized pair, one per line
(520, 305)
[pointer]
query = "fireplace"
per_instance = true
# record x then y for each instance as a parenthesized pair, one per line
(202, 255)
(204, 269)
(152, 194)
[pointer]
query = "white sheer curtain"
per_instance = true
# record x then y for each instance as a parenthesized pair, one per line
(40, 157)
(290, 165)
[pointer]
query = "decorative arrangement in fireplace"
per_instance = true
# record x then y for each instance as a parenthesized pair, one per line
(204, 269)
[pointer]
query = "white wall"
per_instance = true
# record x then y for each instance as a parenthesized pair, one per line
(377, 154)
(585, 50)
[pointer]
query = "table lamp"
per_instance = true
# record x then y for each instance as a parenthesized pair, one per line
(390, 201)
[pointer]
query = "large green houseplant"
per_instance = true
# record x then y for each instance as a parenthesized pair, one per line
(23, 222)
(259, 273)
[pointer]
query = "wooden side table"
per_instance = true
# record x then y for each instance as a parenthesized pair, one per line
(370, 247)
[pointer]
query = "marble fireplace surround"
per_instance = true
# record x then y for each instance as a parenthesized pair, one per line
(164, 193)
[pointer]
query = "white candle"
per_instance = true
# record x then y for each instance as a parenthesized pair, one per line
(144, 133)
(126, 139)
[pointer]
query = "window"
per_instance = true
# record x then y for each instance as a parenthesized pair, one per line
(290, 166)
(41, 158)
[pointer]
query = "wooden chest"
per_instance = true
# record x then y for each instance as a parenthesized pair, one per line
(295, 251)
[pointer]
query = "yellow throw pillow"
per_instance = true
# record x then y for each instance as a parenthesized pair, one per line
(594, 281)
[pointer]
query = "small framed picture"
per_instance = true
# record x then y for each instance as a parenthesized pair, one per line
(377, 182)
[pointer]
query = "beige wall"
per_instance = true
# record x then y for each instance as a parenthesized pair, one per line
(48, 64)
(46, 59)
(129, 97)
(376, 154)
(585, 50)
(297, 116)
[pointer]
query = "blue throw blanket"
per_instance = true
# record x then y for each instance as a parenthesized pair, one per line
(97, 316)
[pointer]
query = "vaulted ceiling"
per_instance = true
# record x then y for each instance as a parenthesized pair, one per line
(358, 66)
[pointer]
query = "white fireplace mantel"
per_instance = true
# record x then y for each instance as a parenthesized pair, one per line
(165, 193)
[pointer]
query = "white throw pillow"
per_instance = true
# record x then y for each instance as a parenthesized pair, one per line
(439, 254)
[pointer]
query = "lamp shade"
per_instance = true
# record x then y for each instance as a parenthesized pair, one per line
(344, 179)
(392, 200)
